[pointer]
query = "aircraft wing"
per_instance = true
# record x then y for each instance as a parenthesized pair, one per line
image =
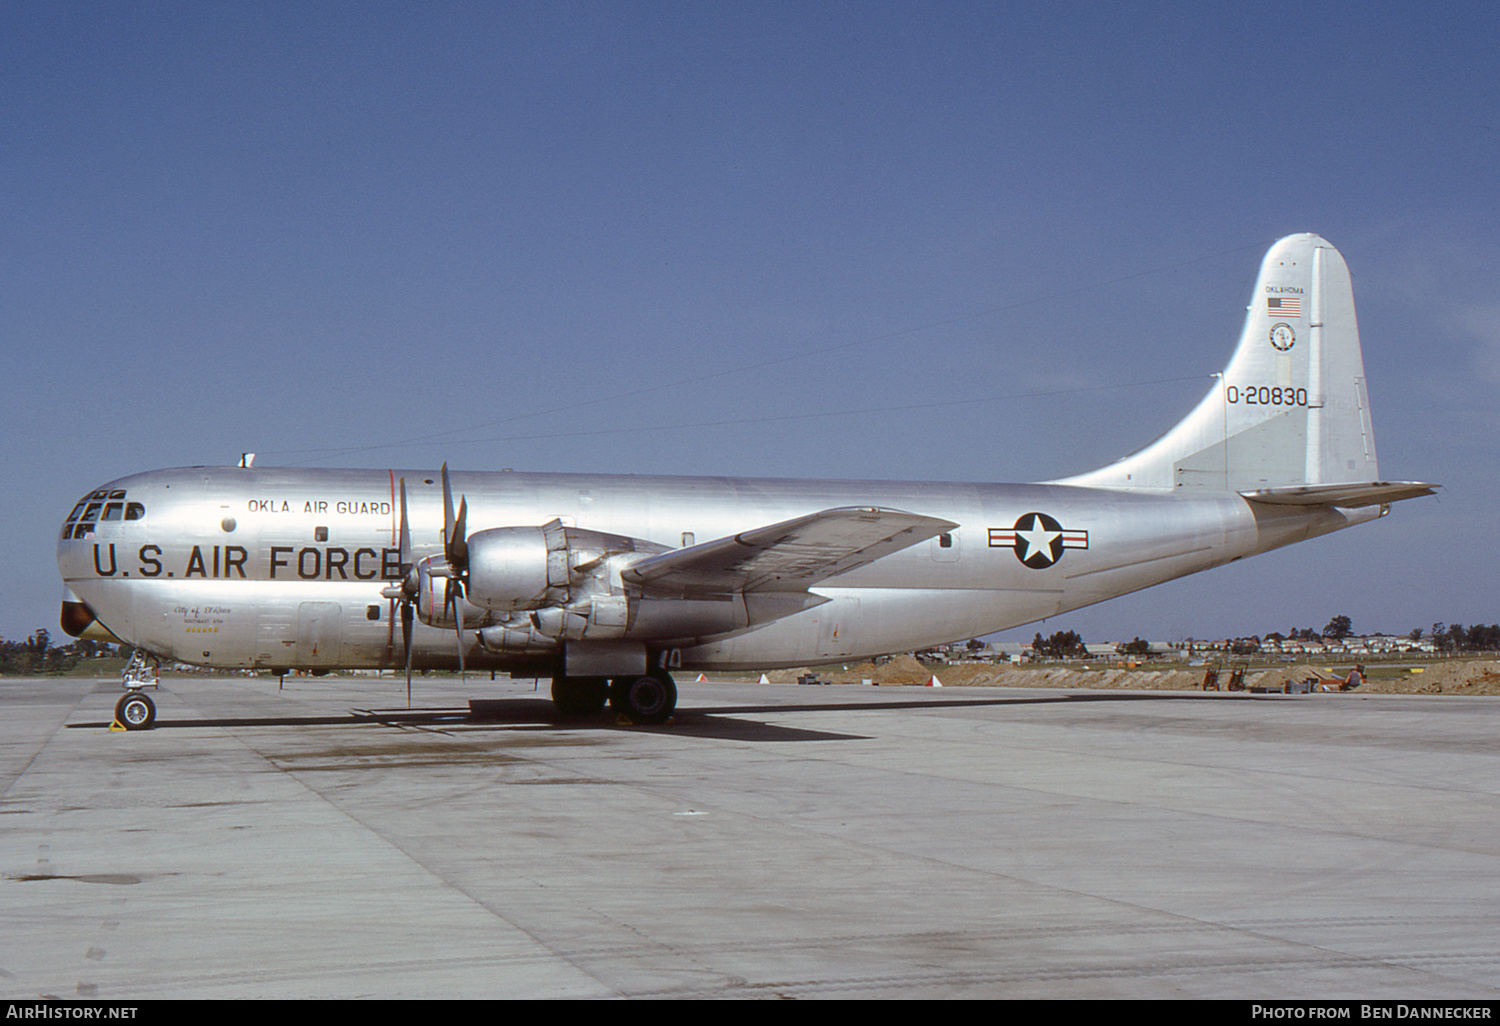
(788, 556)
(1347, 495)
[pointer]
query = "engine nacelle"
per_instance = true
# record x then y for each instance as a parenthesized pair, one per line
(512, 638)
(518, 567)
(601, 616)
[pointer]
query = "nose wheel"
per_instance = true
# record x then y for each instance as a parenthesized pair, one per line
(135, 711)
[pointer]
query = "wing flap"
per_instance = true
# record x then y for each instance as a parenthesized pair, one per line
(788, 556)
(1347, 495)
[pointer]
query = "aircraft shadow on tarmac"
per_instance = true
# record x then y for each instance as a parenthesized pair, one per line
(728, 722)
(516, 714)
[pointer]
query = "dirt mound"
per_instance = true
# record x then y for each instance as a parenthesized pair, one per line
(1478, 677)
(1475, 677)
(1279, 678)
(901, 669)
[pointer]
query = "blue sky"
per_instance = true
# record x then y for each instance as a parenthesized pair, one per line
(655, 237)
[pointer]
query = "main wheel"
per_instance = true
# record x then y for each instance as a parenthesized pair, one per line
(648, 699)
(135, 711)
(579, 696)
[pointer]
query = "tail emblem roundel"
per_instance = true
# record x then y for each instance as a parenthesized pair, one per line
(1037, 540)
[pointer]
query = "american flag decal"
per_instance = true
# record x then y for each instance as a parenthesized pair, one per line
(1284, 306)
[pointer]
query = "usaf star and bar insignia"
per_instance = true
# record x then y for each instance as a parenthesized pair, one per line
(1037, 539)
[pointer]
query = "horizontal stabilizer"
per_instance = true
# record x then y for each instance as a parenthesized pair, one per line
(1349, 496)
(788, 556)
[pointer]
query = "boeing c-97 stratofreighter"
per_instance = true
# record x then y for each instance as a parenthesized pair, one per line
(608, 584)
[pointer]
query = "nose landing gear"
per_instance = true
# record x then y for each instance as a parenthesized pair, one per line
(134, 710)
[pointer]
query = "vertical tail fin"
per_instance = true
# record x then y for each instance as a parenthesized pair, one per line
(1291, 410)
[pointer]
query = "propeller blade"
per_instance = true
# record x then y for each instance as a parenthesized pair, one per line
(458, 548)
(458, 620)
(447, 510)
(455, 532)
(406, 619)
(453, 596)
(456, 552)
(405, 549)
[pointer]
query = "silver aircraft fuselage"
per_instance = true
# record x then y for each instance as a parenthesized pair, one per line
(279, 568)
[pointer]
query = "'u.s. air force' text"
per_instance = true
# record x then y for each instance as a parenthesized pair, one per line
(282, 562)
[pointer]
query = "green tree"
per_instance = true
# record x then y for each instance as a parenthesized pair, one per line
(1484, 639)
(1339, 628)
(1062, 645)
(1458, 638)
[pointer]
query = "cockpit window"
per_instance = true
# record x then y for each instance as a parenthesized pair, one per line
(106, 504)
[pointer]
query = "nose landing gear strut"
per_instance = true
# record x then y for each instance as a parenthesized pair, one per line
(135, 710)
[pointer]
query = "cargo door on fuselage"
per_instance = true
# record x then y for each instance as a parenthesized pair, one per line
(320, 634)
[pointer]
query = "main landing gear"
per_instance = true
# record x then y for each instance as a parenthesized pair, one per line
(135, 710)
(641, 700)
